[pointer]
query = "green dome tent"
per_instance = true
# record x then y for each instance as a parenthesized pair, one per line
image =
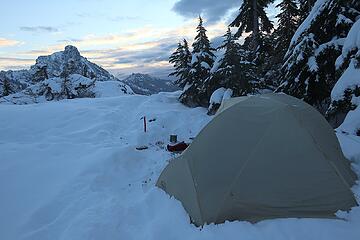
(262, 157)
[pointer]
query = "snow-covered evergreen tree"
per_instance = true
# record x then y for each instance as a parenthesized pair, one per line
(181, 59)
(40, 73)
(6, 87)
(202, 54)
(175, 59)
(265, 60)
(305, 8)
(231, 70)
(65, 86)
(288, 19)
(202, 61)
(274, 46)
(309, 71)
(345, 95)
(252, 18)
(259, 45)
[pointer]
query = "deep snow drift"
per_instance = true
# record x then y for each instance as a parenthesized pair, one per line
(69, 170)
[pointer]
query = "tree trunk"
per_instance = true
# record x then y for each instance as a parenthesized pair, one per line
(256, 24)
(310, 4)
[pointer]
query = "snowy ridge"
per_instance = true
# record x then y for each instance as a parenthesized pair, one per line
(144, 84)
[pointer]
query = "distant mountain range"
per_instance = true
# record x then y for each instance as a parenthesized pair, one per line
(145, 84)
(67, 75)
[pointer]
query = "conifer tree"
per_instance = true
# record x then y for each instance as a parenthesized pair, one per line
(288, 19)
(175, 59)
(65, 86)
(346, 93)
(85, 70)
(252, 18)
(305, 8)
(309, 71)
(259, 45)
(234, 71)
(202, 54)
(6, 88)
(274, 46)
(40, 74)
(181, 59)
(202, 61)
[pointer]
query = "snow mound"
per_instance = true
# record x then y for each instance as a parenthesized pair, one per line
(220, 95)
(111, 89)
(217, 97)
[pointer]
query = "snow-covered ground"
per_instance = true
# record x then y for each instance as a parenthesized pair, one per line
(70, 170)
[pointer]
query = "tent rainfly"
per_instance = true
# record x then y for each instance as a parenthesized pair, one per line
(262, 157)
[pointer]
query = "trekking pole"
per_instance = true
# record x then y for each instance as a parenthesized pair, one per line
(144, 117)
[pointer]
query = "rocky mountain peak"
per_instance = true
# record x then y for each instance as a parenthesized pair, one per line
(71, 61)
(71, 53)
(71, 50)
(63, 74)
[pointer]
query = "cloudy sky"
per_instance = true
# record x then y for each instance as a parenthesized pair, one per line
(121, 36)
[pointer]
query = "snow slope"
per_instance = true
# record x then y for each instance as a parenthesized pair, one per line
(69, 170)
(77, 85)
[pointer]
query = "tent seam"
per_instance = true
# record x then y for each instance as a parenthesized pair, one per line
(332, 166)
(196, 192)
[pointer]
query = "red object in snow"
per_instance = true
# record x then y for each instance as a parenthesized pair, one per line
(179, 147)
